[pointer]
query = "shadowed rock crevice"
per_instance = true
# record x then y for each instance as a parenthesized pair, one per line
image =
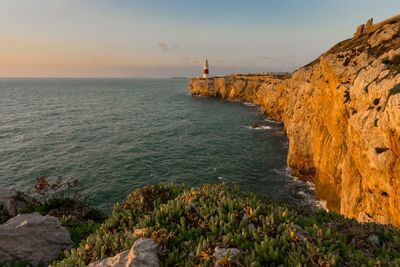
(394, 91)
(380, 150)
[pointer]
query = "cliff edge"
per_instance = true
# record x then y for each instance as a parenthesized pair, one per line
(342, 117)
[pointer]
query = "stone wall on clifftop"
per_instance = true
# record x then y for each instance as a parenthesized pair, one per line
(342, 118)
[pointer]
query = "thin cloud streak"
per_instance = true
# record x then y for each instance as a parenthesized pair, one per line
(163, 46)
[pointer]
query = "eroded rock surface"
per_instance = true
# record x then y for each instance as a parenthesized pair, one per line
(13, 201)
(342, 118)
(142, 254)
(33, 237)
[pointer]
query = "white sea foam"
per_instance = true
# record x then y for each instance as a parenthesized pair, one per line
(306, 191)
(250, 104)
(322, 205)
(271, 120)
(261, 127)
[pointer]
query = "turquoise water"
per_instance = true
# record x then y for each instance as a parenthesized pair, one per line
(119, 134)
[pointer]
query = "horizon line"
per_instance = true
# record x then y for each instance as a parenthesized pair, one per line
(88, 77)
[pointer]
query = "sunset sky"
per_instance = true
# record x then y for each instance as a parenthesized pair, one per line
(160, 38)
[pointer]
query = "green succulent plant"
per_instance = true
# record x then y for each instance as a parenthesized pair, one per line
(190, 223)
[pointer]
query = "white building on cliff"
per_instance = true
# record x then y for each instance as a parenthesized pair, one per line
(205, 70)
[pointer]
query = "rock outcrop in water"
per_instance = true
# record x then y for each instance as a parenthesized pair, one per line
(342, 118)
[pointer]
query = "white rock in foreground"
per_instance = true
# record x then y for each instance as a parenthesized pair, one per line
(142, 254)
(36, 238)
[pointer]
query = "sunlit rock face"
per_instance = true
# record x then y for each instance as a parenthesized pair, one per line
(142, 254)
(342, 118)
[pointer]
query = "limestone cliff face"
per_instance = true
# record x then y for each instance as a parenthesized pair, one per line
(342, 118)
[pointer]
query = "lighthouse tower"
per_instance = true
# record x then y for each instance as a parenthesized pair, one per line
(205, 70)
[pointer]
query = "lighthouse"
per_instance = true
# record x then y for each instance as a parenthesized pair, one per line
(205, 70)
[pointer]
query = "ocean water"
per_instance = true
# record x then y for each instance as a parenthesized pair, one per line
(115, 135)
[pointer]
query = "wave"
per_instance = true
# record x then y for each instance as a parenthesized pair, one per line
(249, 104)
(261, 127)
(306, 191)
(271, 120)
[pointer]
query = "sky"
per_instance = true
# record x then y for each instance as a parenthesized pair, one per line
(166, 38)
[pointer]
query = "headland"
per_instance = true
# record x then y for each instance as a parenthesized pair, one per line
(342, 117)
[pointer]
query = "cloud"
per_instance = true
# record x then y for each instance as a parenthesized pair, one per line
(166, 47)
(163, 46)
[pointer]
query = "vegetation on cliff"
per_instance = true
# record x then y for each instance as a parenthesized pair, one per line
(189, 223)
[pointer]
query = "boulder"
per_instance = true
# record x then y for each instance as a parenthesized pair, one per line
(13, 201)
(33, 237)
(142, 254)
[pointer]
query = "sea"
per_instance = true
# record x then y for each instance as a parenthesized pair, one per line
(115, 135)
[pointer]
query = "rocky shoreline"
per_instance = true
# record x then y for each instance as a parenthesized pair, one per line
(342, 117)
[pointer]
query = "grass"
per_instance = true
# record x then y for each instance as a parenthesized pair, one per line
(189, 223)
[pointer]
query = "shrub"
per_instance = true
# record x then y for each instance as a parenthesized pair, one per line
(79, 229)
(189, 223)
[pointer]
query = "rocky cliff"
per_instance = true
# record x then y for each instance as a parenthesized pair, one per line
(342, 117)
